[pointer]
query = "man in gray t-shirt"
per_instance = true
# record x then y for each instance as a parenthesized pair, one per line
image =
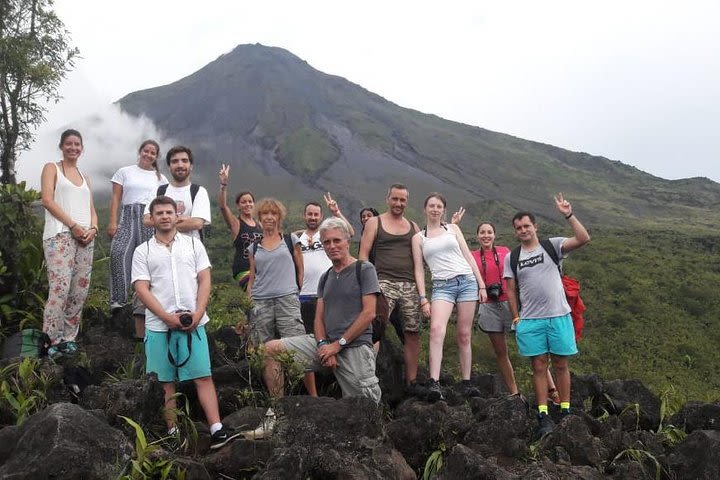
(345, 310)
(542, 316)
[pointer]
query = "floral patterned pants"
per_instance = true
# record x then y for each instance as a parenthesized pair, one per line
(69, 266)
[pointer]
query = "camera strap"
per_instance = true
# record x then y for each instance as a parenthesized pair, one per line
(484, 265)
(172, 360)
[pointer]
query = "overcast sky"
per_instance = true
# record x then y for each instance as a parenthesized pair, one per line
(636, 81)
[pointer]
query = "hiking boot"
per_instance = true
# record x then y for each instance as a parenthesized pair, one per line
(554, 397)
(265, 429)
(564, 413)
(222, 437)
(116, 307)
(545, 424)
(467, 389)
(414, 389)
(434, 393)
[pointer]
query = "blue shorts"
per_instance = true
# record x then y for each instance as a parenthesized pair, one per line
(156, 355)
(463, 288)
(538, 336)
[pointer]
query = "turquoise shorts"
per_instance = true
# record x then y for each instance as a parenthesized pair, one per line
(538, 336)
(156, 355)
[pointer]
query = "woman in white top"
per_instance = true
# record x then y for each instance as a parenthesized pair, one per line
(133, 187)
(68, 241)
(456, 281)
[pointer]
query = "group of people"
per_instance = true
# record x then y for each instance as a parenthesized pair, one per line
(309, 294)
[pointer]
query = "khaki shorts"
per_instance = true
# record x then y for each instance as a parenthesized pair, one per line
(355, 370)
(405, 296)
(273, 318)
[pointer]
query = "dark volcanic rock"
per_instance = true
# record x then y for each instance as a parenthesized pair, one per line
(462, 462)
(328, 438)
(66, 442)
(419, 428)
(390, 370)
(697, 416)
(239, 456)
(637, 406)
(573, 443)
(698, 456)
(140, 400)
(107, 350)
(503, 426)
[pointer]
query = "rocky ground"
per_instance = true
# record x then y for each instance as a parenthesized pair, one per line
(618, 430)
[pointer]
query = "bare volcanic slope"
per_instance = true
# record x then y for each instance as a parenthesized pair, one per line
(292, 131)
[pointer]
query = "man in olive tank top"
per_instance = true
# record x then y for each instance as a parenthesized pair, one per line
(387, 242)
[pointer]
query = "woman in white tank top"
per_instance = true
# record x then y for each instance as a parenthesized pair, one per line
(456, 281)
(68, 241)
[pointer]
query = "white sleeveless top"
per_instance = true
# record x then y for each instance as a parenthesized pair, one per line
(74, 200)
(443, 256)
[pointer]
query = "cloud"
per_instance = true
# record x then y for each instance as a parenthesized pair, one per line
(110, 137)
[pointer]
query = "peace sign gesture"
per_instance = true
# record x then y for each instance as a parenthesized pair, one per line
(224, 174)
(563, 205)
(332, 204)
(458, 216)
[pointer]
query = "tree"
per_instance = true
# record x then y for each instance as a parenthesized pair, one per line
(35, 56)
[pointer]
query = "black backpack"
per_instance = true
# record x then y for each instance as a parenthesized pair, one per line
(194, 188)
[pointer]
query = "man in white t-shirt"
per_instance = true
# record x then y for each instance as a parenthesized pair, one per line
(193, 214)
(315, 261)
(171, 275)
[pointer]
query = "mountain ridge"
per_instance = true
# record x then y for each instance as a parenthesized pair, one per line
(290, 130)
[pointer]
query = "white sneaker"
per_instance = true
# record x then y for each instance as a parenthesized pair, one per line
(265, 429)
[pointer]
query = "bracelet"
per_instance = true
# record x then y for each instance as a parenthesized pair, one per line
(483, 288)
(73, 226)
(567, 217)
(93, 227)
(322, 342)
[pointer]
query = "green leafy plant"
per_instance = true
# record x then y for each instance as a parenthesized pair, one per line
(434, 462)
(670, 403)
(641, 457)
(132, 369)
(24, 388)
(23, 283)
(145, 464)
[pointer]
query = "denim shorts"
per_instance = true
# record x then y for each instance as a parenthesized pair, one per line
(463, 288)
(538, 336)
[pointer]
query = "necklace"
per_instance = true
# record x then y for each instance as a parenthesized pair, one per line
(167, 244)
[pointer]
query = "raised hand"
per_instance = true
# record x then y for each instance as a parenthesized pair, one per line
(457, 216)
(562, 205)
(332, 204)
(224, 174)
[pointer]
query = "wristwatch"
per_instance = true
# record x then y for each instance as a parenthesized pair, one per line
(342, 342)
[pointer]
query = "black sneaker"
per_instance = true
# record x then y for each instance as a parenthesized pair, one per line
(222, 437)
(564, 413)
(467, 389)
(545, 424)
(434, 393)
(414, 389)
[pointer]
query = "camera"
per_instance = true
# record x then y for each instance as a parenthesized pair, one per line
(185, 318)
(494, 290)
